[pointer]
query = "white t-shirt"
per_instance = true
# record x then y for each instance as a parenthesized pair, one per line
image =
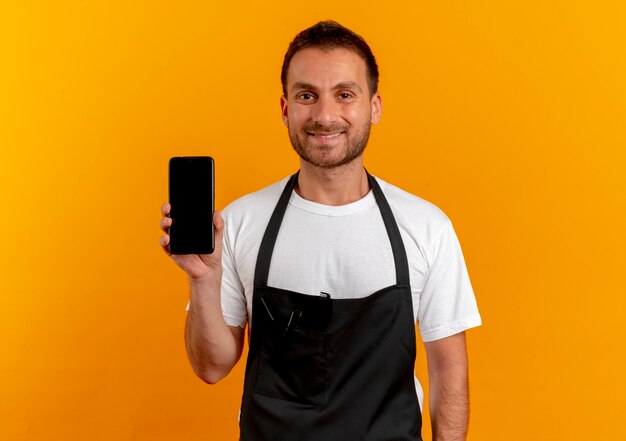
(345, 251)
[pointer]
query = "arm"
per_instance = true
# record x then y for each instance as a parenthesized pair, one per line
(213, 347)
(449, 396)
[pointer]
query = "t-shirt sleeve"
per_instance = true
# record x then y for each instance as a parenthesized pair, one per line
(233, 293)
(447, 304)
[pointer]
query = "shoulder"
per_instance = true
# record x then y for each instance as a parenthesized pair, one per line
(425, 228)
(417, 213)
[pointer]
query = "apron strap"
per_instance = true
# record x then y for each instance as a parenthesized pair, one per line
(397, 245)
(264, 258)
(266, 249)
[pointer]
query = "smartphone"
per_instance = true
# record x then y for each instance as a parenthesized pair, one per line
(192, 198)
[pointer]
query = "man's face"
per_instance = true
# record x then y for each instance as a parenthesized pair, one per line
(328, 109)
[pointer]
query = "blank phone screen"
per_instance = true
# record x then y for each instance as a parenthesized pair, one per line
(192, 195)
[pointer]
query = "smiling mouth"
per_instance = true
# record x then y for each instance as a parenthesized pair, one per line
(325, 135)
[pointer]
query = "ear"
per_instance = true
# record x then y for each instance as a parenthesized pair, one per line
(377, 108)
(283, 108)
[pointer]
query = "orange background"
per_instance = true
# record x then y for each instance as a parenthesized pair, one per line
(510, 116)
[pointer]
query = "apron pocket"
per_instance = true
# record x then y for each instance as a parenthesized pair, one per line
(294, 368)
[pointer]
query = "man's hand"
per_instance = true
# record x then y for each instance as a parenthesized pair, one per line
(449, 396)
(196, 266)
(213, 347)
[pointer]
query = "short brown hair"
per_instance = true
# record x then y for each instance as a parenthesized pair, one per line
(330, 35)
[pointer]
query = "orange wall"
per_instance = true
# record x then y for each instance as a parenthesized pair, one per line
(508, 115)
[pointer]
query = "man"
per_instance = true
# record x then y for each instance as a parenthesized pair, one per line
(331, 268)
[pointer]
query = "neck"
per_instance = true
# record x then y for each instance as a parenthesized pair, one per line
(337, 186)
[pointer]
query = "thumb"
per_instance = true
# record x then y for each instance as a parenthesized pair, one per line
(215, 258)
(218, 222)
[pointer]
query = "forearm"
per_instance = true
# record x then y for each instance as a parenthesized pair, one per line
(213, 347)
(449, 403)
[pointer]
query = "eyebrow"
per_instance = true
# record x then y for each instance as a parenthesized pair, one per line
(343, 85)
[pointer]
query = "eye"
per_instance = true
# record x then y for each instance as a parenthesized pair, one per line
(306, 96)
(345, 95)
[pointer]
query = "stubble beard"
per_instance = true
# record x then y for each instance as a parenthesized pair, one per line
(353, 149)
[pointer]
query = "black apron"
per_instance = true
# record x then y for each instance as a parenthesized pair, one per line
(324, 369)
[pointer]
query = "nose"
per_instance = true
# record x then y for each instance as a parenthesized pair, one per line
(326, 111)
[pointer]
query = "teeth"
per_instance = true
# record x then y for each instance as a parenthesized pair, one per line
(330, 136)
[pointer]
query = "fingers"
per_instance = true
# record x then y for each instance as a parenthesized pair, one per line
(165, 244)
(165, 209)
(166, 223)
